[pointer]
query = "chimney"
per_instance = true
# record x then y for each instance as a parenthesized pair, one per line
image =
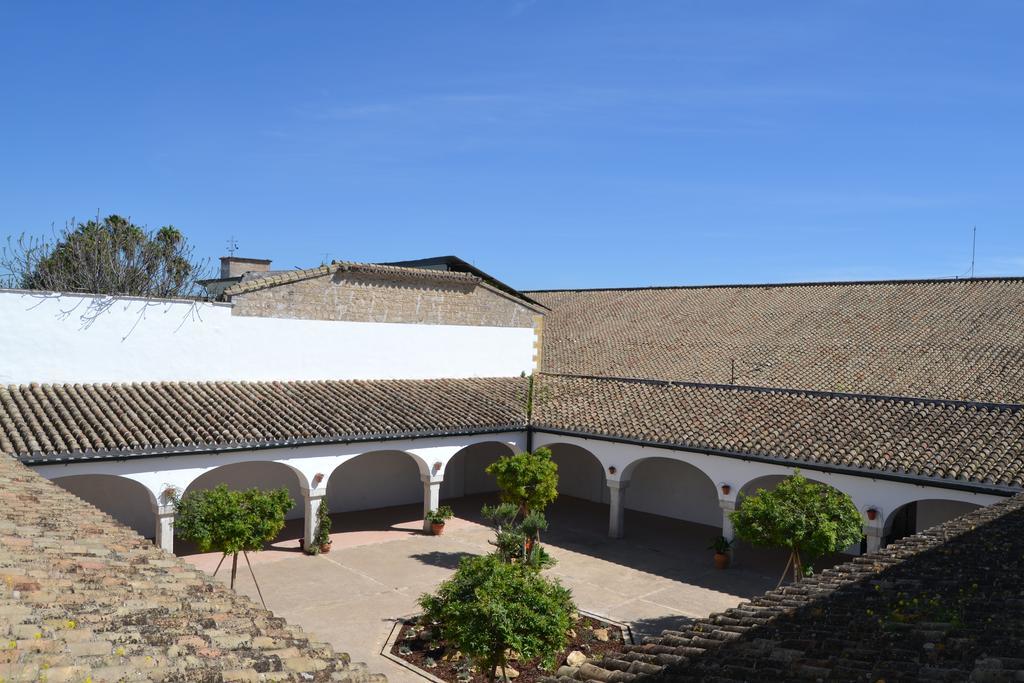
(236, 266)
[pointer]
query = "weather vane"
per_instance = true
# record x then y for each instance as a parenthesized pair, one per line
(232, 245)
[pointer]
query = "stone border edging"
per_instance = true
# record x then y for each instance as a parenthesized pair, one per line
(396, 630)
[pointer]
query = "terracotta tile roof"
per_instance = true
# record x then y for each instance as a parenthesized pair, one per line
(374, 269)
(50, 421)
(938, 339)
(85, 598)
(943, 440)
(944, 605)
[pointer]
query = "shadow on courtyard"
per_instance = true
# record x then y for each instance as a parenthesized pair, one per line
(660, 546)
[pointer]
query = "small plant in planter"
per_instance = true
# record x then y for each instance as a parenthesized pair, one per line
(721, 546)
(438, 517)
(322, 537)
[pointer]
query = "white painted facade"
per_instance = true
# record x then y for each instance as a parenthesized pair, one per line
(75, 338)
(683, 485)
(353, 476)
(360, 476)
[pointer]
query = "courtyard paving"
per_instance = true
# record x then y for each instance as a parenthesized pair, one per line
(657, 577)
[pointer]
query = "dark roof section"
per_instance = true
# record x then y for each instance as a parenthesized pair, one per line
(457, 265)
(47, 422)
(949, 339)
(259, 281)
(943, 605)
(84, 598)
(951, 441)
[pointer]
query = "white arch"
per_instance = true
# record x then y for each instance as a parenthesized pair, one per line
(921, 525)
(811, 475)
(459, 481)
(89, 487)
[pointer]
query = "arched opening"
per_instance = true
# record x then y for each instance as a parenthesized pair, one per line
(582, 503)
(464, 475)
(919, 515)
(375, 480)
(580, 473)
(262, 475)
(126, 500)
(671, 488)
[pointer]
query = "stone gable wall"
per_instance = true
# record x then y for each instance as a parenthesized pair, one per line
(362, 297)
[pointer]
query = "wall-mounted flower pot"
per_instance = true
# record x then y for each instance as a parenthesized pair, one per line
(725, 489)
(872, 513)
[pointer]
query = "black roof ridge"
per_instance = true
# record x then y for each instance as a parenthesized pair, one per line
(808, 283)
(948, 402)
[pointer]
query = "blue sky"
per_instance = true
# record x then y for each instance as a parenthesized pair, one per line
(554, 144)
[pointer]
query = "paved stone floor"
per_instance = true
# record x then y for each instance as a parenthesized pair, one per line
(656, 577)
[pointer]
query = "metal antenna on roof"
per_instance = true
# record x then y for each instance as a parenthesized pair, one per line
(232, 245)
(326, 258)
(974, 241)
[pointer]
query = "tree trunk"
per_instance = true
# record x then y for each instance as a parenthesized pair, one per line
(234, 569)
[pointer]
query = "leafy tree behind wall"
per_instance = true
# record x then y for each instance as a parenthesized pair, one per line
(490, 607)
(807, 518)
(111, 256)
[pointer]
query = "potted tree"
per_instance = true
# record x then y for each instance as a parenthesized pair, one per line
(437, 518)
(721, 546)
(322, 537)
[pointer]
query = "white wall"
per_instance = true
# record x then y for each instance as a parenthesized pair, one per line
(674, 489)
(54, 338)
(933, 512)
(375, 480)
(867, 491)
(126, 501)
(580, 475)
(465, 476)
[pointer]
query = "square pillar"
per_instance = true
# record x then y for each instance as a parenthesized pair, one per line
(874, 530)
(617, 508)
(431, 497)
(728, 505)
(312, 500)
(165, 528)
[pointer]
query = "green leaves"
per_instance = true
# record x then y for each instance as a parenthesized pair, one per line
(489, 607)
(104, 256)
(805, 517)
(231, 521)
(527, 480)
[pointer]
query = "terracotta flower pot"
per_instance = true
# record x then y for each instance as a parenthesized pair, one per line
(325, 547)
(872, 514)
(721, 560)
(437, 528)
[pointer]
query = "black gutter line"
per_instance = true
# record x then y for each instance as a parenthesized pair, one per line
(955, 403)
(864, 473)
(213, 450)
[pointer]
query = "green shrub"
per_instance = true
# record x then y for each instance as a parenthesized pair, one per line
(807, 518)
(489, 607)
(527, 480)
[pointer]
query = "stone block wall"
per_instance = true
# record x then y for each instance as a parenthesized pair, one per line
(382, 298)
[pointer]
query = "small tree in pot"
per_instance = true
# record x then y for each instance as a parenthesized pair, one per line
(438, 517)
(322, 535)
(721, 545)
